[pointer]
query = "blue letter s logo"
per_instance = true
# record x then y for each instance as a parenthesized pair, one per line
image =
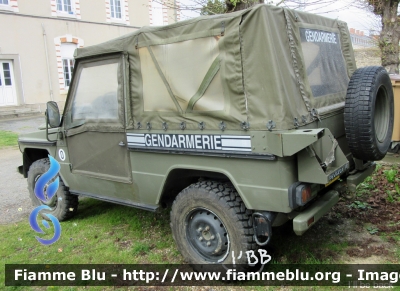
(51, 190)
(45, 178)
(36, 227)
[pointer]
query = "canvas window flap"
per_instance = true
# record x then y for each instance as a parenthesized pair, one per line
(163, 74)
(176, 79)
(270, 80)
(275, 70)
(327, 75)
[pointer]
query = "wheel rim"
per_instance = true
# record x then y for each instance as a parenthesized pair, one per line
(52, 202)
(381, 119)
(207, 235)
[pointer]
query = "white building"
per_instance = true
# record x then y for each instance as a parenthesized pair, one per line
(38, 38)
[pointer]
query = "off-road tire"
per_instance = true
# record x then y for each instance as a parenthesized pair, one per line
(368, 113)
(63, 208)
(220, 202)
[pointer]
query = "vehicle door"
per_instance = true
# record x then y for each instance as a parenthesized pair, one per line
(94, 129)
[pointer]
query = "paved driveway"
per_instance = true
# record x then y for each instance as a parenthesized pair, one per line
(15, 203)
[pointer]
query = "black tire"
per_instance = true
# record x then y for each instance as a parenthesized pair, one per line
(219, 207)
(63, 208)
(369, 113)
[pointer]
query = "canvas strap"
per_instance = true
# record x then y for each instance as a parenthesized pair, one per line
(212, 71)
(171, 94)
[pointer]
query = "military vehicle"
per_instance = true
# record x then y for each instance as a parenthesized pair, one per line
(240, 122)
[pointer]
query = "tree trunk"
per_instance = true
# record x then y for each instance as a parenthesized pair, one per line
(389, 37)
(241, 5)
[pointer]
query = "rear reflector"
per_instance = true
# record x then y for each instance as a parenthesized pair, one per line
(303, 194)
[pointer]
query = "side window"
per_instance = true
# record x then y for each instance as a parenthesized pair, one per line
(96, 93)
(116, 10)
(64, 6)
(158, 13)
(324, 62)
(67, 56)
(65, 46)
(9, 5)
(174, 80)
(7, 84)
(68, 68)
(7, 73)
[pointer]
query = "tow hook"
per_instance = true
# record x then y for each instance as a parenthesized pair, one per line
(262, 224)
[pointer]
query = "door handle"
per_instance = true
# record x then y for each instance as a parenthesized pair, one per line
(121, 144)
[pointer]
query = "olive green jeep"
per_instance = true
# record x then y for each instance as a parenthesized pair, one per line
(240, 121)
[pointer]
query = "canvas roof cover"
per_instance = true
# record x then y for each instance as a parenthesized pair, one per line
(234, 70)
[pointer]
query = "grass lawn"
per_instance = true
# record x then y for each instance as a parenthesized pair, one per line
(101, 233)
(8, 138)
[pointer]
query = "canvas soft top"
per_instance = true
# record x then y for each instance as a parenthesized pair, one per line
(264, 65)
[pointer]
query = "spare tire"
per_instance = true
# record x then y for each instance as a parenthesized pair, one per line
(368, 113)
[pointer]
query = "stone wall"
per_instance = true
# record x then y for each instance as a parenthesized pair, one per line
(367, 57)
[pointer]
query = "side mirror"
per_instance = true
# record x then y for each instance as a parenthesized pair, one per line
(53, 114)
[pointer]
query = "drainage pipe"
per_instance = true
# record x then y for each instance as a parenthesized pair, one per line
(48, 64)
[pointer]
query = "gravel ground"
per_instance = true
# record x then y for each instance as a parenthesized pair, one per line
(22, 125)
(15, 204)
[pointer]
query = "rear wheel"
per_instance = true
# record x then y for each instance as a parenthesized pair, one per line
(63, 204)
(211, 225)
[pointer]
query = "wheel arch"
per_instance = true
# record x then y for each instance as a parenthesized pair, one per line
(30, 155)
(180, 177)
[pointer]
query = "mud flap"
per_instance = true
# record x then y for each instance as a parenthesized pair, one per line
(322, 162)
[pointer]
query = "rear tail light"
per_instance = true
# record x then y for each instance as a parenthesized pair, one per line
(303, 194)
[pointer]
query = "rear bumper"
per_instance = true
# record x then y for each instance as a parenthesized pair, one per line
(359, 177)
(307, 218)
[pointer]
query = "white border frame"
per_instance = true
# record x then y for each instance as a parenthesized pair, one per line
(76, 9)
(124, 12)
(58, 41)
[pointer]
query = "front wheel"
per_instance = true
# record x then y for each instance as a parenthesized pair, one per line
(211, 225)
(63, 204)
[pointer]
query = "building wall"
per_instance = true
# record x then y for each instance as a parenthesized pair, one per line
(359, 40)
(38, 7)
(92, 11)
(33, 26)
